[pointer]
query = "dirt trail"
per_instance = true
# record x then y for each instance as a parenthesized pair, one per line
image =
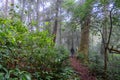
(81, 70)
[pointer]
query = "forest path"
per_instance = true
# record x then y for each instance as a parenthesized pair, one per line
(81, 69)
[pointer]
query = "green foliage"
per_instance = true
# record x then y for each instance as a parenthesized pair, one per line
(96, 66)
(69, 4)
(79, 10)
(50, 61)
(104, 1)
(11, 31)
(15, 74)
(21, 51)
(80, 56)
(83, 10)
(117, 3)
(114, 67)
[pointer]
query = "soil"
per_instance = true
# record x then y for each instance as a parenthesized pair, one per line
(80, 69)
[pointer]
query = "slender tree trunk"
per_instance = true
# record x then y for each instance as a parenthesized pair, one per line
(84, 44)
(104, 49)
(60, 25)
(78, 42)
(108, 38)
(60, 31)
(22, 11)
(37, 13)
(6, 8)
(29, 16)
(12, 8)
(12, 2)
(56, 21)
(72, 39)
(105, 39)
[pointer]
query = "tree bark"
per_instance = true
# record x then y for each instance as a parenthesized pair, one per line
(105, 43)
(6, 8)
(29, 16)
(22, 11)
(56, 21)
(84, 43)
(37, 13)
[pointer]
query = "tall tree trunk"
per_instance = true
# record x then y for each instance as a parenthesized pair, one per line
(60, 30)
(105, 39)
(6, 8)
(84, 44)
(56, 21)
(77, 41)
(73, 44)
(37, 13)
(105, 47)
(12, 8)
(29, 16)
(12, 2)
(22, 11)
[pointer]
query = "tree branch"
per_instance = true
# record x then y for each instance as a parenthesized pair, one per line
(111, 26)
(115, 50)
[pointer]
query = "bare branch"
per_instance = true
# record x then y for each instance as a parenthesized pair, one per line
(115, 50)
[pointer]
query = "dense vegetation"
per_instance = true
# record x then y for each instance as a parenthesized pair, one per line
(36, 38)
(23, 51)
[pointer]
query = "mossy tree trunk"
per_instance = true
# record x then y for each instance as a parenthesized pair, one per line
(84, 43)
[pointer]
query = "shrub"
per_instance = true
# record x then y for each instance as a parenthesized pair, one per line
(96, 66)
(33, 52)
(15, 74)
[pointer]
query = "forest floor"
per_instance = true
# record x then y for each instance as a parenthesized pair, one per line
(80, 69)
